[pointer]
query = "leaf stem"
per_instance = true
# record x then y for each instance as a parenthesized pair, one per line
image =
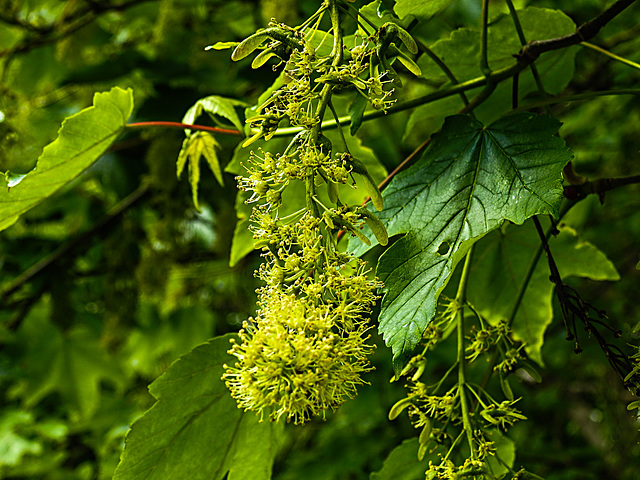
(523, 42)
(185, 126)
(484, 33)
(462, 379)
(610, 55)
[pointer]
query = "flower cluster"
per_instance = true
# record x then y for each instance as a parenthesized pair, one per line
(306, 349)
(297, 359)
(447, 411)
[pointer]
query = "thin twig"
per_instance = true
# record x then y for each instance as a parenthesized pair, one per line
(100, 227)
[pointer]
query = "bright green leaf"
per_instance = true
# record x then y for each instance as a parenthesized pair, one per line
(82, 140)
(243, 240)
(196, 145)
(402, 463)
(377, 12)
(13, 445)
(216, 105)
(221, 45)
(248, 45)
(469, 181)
(501, 262)
(505, 451)
(421, 9)
(195, 430)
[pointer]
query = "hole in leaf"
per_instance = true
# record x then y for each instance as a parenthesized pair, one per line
(444, 248)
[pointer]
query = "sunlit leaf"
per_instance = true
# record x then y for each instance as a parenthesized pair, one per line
(221, 45)
(82, 140)
(195, 430)
(216, 105)
(420, 8)
(469, 181)
(505, 451)
(195, 146)
(13, 444)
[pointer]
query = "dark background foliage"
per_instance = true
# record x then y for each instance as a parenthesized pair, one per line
(120, 290)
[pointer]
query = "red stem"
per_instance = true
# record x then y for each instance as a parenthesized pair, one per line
(183, 125)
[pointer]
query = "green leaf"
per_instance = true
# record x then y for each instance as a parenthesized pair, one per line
(216, 105)
(14, 444)
(196, 145)
(195, 430)
(82, 140)
(221, 45)
(356, 111)
(461, 51)
(377, 12)
(501, 261)
(402, 463)
(248, 45)
(243, 240)
(469, 181)
(419, 8)
(505, 451)
(73, 363)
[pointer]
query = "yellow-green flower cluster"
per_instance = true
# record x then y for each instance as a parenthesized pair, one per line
(296, 359)
(306, 349)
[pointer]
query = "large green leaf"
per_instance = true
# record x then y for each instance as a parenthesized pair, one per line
(469, 181)
(461, 53)
(500, 263)
(195, 430)
(82, 139)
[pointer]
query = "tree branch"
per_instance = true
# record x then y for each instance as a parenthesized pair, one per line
(100, 227)
(585, 32)
(598, 187)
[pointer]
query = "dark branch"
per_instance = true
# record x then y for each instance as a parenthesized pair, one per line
(598, 187)
(83, 239)
(585, 32)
